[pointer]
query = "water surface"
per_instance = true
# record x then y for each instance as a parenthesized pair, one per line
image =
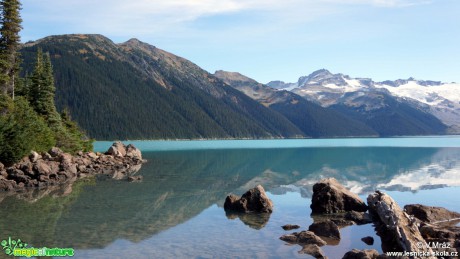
(176, 212)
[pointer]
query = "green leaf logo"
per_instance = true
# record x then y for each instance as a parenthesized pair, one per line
(8, 245)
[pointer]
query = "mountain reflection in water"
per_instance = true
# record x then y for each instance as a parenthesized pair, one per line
(179, 185)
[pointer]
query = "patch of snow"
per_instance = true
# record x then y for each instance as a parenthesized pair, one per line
(424, 93)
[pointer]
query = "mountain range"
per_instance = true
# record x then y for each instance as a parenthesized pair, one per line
(134, 90)
(361, 97)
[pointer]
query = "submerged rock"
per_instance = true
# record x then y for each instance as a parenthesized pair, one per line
(329, 196)
(368, 240)
(313, 250)
(326, 229)
(254, 200)
(290, 227)
(361, 254)
(303, 237)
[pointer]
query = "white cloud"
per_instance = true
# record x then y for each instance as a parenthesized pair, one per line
(121, 18)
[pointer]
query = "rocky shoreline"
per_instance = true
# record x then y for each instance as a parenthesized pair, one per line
(417, 231)
(56, 167)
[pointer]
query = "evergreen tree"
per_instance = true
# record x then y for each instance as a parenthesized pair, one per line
(42, 89)
(9, 44)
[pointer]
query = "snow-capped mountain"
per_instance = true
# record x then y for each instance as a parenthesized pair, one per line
(442, 100)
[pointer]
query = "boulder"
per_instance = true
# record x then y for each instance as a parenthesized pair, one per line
(34, 156)
(41, 167)
(361, 254)
(397, 224)
(65, 158)
(92, 155)
(55, 151)
(431, 214)
(325, 229)
(7, 185)
(290, 227)
(133, 152)
(303, 237)
(117, 149)
(254, 200)
(442, 235)
(2, 166)
(329, 196)
(313, 250)
(368, 240)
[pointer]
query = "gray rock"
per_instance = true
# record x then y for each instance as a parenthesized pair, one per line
(34, 156)
(329, 196)
(117, 149)
(361, 254)
(303, 237)
(133, 152)
(313, 250)
(431, 214)
(254, 200)
(92, 155)
(290, 227)
(55, 151)
(325, 229)
(42, 167)
(368, 240)
(399, 226)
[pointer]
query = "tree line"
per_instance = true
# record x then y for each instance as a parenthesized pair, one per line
(29, 119)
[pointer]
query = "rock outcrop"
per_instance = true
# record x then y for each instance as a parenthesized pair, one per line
(396, 224)
(56, 167)
(254, 200)
(437, 226)
(430, 214)
(329, 196)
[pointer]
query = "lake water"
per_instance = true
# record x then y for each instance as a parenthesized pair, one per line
(177, 210)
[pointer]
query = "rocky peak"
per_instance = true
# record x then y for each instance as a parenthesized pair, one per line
(322, 77)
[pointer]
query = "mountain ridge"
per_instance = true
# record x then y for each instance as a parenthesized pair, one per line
(123, 91)
(134, 90)
(434, 98)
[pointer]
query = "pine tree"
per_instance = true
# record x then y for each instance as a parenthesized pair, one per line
(42, 90)
(37, 82)
(9, 45)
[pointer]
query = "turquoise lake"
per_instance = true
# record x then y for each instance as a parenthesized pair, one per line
(177, 210)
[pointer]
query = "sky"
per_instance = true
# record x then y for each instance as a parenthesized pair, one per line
(274, 39)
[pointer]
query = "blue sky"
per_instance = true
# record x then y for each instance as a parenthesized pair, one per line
(274, 39)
